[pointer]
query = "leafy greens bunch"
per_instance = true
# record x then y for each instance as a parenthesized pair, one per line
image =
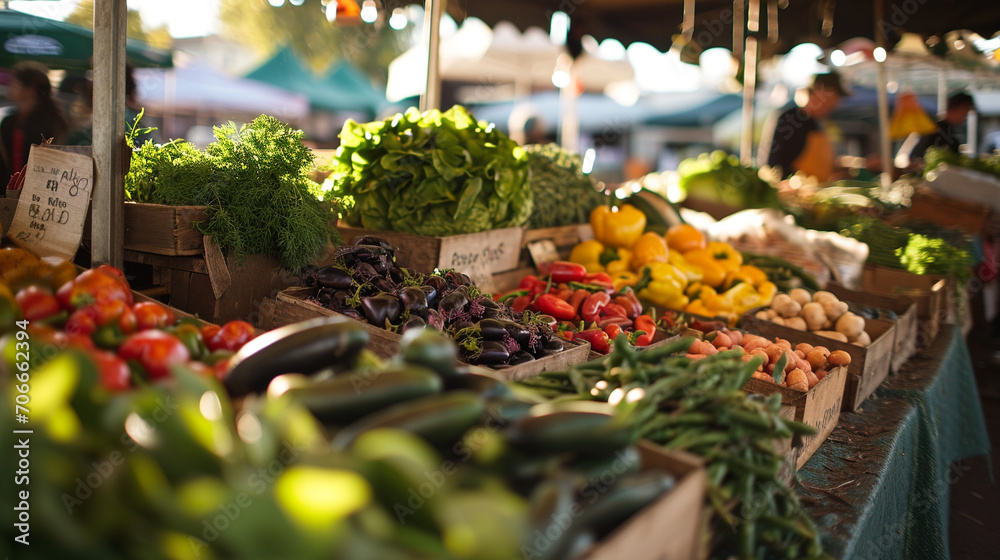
(254, 182)
(433, 174)
(564, 195)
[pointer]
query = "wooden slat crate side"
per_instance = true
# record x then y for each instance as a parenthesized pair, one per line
(563, 237)
(573, 354)
(643, 536)
(7, 208)
(905, 308)
(164, 230)
(291, 307)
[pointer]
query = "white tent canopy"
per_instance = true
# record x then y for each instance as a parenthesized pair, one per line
(476, 53)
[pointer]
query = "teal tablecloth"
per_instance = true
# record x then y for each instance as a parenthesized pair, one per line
(879, 486)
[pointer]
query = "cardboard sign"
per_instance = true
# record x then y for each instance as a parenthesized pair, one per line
(53, 205)
(543, 252)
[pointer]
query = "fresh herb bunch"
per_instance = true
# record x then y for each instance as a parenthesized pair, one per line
(434, 174)
(564, 195)
(254, 182)
(926, 255)
(936, 156)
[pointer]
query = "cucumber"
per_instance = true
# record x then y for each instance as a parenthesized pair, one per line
(305, 347)
(623, 500)
(660, 213)
(345, 398)
(579, 427)
(624, 461)
(552, 519)
(440, 419)
(486, 385)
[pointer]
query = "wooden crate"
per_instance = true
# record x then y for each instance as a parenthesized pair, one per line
(672, 527)
(818, 407)
(291, 307)
(7, 208)
(930, 292)
(905, 340)
(563, 239)
(869, 366)
(480, 255)
(159, 229)
(929, 206)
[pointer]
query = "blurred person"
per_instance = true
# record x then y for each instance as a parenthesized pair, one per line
(795, 140)
(36, 117)
(946, 136)
(82, 114)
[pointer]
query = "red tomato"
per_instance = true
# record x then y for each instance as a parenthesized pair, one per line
(80, 323)
(116, 272)
(152, 315)
(114, 372)
(208, 331)
(221, 368)
(94, 285)
(37, 304)
(126, 322)
(105, 312)
(156, 351)
(231, 336)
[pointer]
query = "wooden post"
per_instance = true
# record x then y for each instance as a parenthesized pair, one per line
(108, 222)
(885, 146)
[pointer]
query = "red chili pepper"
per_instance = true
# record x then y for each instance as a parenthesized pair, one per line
(599, 278)
(613, 309)
(533, 284)
(623, 322)
(613, 331)
(521, 303)
(597, 338)
(593, 305)
(645, 323)
(563, 292)
(577, 299)
(552, 305)
(565, 271)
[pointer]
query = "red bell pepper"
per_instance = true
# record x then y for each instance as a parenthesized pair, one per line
(597, 338)
(646, 324)
(533, 284)
(521, 303)
(613, 309)
(631, 303)
(577, 299)
(565, 271)
(599, 278)
(623, 322)
(593, 305)
(552, 305)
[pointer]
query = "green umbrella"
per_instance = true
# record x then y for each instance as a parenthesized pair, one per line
(58, 44)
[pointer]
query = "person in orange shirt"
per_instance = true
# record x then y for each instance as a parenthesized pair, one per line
(796, 141)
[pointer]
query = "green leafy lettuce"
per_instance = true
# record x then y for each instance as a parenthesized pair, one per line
(433, 174)
(564, 195)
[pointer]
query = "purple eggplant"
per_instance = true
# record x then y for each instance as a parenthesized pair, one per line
(460, 325)
(521, 357)
(431, 293)
(325, 297)
(333, 277)
(435, 320)
(365, 272)
(439, 284)
(379, 309)
(353, 314)
(517, 331)
(395, 275)
(492, 329)
(414, 322)
(456, 278)
(375, 241)
(385, 285)
(493, 353)
(414, 300)
(552, 344)
(338, 299)
(453, 304)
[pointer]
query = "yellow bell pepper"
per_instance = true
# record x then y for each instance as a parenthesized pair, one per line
(588, 253)
(756, 275)
(624, 278)
(698, 308)
(741, 298)
(767, 291)
(649, 248)
(615, 267)
(712, 272)
(693, 289)
(666, 286)
(691, 272)
(618, 227)
(725, 255)
(659, 271)
(734, 277)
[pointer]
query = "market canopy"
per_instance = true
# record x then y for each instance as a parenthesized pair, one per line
(656, 21)
(62, 45)
(344, 88)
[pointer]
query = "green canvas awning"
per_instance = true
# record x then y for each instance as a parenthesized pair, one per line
(62, 45)
(344, 88)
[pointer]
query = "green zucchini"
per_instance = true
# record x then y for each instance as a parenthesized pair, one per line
(577, 426)
(440, 419)
(552, 521)
(345, 398)
(305, 347)
(610, 507)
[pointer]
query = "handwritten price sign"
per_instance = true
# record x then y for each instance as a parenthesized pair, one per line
(52, 208)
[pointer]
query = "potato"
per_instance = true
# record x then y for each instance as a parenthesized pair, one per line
(786, 306)
(834, 309)
(839, 358)
(864, 340)
(832, 334)
(801, 296)
(797, 323)
(851, 326)
(822, 296)
(814, 315)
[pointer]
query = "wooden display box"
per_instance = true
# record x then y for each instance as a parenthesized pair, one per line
(480, 255)
(869, 366)
(946, 211)
(563, 239)
(930, 292)
(7, 208)
(905, 308)
(672, 527)
(818, 407)
(161, 230)
(291, 306)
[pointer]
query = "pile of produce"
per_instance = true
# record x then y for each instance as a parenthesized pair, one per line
(564, 195)
(679, 270)
(820, 313)
(585, 306)
(916, 247)
(697, 405)
(254, 181)
(935, 156)
(365, 284)
(433, 174)
(719, 177)
(129, 343)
